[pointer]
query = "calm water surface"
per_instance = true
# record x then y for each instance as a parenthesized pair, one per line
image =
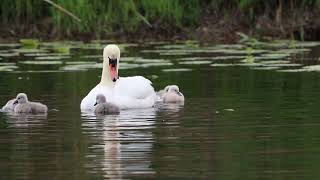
(238, 122)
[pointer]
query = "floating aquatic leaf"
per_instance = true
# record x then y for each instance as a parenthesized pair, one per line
(25, 50)
(306, 44)
(12, 54)
(38, 54)
(176, 70)
(62, 49)
(8, 68)
(156, 64)
(173, 46)
(7, 64)
(41, 62)
(10, 45)
(292, 51)
(222, 65)
(170, 53)
(276, 55)
(195, 62)
(283, 65)
(194, 58)
(292, 70)
(213, 58)
(265, 68)
(234, 51)
(78, 62)
(52, 57)
(312, 68)
(36, 71)
(150, 60)
(29, 43)
(157, 42)
(230, 46)
(275, 62)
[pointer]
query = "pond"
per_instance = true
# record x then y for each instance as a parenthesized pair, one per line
(251, 112)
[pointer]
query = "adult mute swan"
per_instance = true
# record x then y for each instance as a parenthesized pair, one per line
(125, 92)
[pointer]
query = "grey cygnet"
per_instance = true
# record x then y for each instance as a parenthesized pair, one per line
(103, 107)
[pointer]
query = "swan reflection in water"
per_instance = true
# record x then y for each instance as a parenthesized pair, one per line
(125, 140)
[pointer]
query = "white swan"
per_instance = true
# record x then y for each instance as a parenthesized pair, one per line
(125, 92)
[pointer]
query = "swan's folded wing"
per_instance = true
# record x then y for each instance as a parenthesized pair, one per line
(135, 87)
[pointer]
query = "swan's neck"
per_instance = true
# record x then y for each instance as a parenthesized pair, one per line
(105, 77)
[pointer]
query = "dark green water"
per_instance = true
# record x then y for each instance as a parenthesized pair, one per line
(237, 123)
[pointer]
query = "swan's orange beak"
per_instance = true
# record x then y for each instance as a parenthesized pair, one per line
(113, 73)
(113, 69)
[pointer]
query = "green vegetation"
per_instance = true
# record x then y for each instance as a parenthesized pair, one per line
(114, 16)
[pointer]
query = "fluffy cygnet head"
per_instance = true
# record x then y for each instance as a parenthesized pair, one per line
(111, 57)
(172, 89)
(100, 99)
(21, 98)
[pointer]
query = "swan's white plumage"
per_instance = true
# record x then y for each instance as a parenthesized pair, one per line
(127, 93)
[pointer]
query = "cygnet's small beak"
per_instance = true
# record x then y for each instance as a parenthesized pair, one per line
(15, 102)
(95, 104)
(179, 93)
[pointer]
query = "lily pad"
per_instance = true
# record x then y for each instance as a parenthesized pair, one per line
(276, 55)
(78, 62)
(174, 53)
(7, 64)
(10, 45)
(41, 62)
(265, 68)
(234, 51)
(292, 51)
(195, 62)
(30, 43)
(12, 54)
(176, 70)
(292, 70)
(275, 62)
(157, 64)
(8, 68)
(141, 60)
(222, 65)
(62, 49)
(25, 50)
(52, 57)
